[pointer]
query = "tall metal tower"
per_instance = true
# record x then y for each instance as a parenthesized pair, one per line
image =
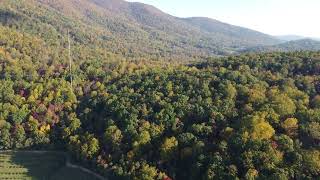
(70, 61)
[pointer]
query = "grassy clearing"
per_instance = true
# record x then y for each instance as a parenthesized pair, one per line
(38, 166)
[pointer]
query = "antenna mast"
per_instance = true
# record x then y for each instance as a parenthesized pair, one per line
(70, 61)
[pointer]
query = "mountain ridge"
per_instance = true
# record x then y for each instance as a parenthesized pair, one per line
(133, 30)
(130, 30)
(306, 44)
(290, 37)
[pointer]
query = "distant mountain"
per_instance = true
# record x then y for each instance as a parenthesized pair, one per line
(316, 39)
(295, 37)
(244, 35)
(298, 45)
(116, 29)
(290, 37)
(125, 29)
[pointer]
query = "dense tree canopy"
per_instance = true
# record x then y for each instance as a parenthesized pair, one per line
(254, 116)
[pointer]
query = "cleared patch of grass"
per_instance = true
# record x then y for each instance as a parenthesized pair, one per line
(38, 166)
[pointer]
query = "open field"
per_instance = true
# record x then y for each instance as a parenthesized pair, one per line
(38, 166)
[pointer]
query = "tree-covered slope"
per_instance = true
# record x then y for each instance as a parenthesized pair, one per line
(290, 46)
(250, 116)
(253, 116)
(127, 29)
(235, 34)
(290, 37)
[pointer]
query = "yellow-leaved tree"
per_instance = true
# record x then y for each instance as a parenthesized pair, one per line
(256, 127)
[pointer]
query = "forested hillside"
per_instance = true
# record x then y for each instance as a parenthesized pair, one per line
(128, 115)
(104, 28)
(247, 117)
(298, 45)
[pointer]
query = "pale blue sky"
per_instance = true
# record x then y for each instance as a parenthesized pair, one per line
(275, 17)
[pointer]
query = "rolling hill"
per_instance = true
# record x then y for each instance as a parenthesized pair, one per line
(116, 29)
(126, 29)
(298, 45)
(290, 37)
(295, 38)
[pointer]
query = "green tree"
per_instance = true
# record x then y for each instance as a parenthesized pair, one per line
(290, 125)
(146, 172)
(5, 139)
(311, 160)
(113, 136)
(168, 148)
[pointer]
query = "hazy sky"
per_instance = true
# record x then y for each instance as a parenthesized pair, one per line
(275, 17)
